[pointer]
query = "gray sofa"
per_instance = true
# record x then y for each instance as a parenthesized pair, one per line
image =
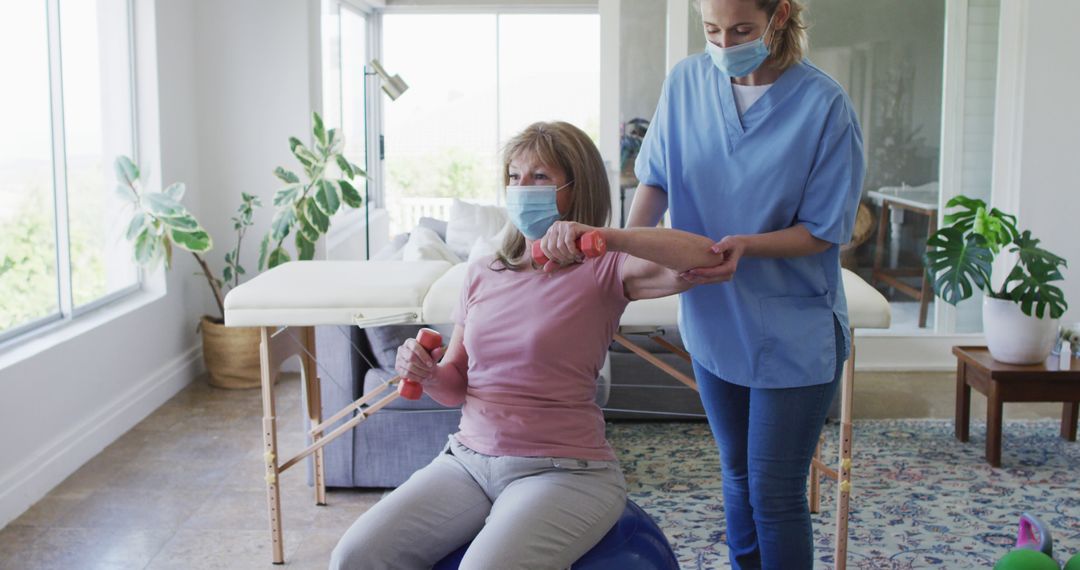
(385, 449)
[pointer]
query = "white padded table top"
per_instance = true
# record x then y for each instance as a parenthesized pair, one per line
(867, 308)
(306, 293)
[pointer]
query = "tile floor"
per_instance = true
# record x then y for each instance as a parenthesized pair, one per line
(184, 488)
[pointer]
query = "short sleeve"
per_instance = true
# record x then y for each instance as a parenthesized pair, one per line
(461, 310)
(609, 276)
(651, 165)
(834, 187)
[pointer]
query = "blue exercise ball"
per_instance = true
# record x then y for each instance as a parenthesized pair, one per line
(634, 543)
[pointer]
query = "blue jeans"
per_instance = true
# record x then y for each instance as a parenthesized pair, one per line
(766, 439)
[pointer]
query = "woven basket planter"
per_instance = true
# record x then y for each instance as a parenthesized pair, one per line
(231, 355)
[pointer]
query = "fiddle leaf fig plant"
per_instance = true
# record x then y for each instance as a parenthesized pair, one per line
(304, 207)
(959, 258)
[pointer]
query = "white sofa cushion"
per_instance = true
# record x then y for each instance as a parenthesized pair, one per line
(867, 307)
(468, 222)
(444, 295)
(424, 245)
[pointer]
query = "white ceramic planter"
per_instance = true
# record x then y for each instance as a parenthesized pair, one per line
(1015, 338)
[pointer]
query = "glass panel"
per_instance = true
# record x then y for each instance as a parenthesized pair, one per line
(95, 47)
(353, 57)
(560, 82)
(331, 64)
(28, 286)
(980, 81)
(889, 58)
(442, 134)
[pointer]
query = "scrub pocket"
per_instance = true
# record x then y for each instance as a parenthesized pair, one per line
(799, 342)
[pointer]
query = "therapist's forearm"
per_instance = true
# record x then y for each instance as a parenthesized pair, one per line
(795, 241)
(648, 207)
(674, 249)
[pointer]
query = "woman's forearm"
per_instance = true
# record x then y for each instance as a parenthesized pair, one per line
(674, 249)
(448, 385)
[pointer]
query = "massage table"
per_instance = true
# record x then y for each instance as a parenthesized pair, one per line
(288, 301)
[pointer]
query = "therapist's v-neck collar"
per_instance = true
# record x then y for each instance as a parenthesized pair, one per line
(760, 109)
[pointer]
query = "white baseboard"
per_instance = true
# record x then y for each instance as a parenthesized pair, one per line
(29, 481)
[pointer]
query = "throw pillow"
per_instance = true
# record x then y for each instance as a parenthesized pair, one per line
(470, 221)
(424, 245)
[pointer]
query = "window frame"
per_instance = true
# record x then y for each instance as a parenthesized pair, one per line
(67, 311)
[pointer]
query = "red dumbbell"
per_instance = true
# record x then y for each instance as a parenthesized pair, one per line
(592, 244)
(430, 340)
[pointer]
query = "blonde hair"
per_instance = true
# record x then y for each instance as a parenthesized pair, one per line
(789, 43)
(568, 147)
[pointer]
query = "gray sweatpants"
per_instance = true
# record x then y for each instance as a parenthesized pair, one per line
(530, 513)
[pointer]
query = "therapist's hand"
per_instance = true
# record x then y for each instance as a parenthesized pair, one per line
(559, 244)
(416, 363)
(728, 252)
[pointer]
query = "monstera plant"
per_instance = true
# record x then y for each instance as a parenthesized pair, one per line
(1019, 316)
(304, 207)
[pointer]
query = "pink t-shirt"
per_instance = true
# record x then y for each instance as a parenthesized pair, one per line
(536, 343)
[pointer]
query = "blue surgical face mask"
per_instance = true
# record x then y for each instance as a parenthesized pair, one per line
(533, 209)
(740, 60)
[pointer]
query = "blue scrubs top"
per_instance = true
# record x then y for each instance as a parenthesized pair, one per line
(794, 157)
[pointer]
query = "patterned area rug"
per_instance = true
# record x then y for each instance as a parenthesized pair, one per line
(920, 498)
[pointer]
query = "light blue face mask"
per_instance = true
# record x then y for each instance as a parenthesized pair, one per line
(532, 209)
(740, 60)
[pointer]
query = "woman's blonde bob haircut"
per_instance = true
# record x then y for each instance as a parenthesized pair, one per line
(569, 148)
(788, 44)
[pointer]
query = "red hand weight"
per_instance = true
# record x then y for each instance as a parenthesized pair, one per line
(430, 340)
(592, 244)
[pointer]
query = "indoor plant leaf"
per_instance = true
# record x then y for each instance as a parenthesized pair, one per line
(304, 249)
(957, 265)
(127, 193)
(287, 195)
(1034, 293)
(162, 206)
(183, 223)
(318, 129)
(283, 220)
(175, 191)
(327, 197)
(126, 170)
(286, 176)
(264, 251)
(1027, 247)
(349, 194)
(344, 165)
(138, 222)
(197, 241)
(277, 257)
(317, 218)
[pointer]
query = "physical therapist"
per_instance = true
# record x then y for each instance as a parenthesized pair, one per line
(756, 148)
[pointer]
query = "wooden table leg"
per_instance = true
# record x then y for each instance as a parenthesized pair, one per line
(313, 395)
(963, 402)
(843, 471)
(1070, 412)
(268, 372)
(993, 426)
(925, 291)
(815, 480)
(879, 248)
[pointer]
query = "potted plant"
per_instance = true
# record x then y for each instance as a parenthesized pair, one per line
(1020, 317)
(159, 222)
(304, 208)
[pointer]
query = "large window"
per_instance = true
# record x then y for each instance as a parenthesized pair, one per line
(490, 76)
(62, 244)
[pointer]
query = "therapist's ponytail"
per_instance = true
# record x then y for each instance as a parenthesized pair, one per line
(789, 42)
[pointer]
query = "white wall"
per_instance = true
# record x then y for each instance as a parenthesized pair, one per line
(1037, 138)
(66, 396)
(253, 90)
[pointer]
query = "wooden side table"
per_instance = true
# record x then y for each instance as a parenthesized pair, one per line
(1001, 383)
(894, 202)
